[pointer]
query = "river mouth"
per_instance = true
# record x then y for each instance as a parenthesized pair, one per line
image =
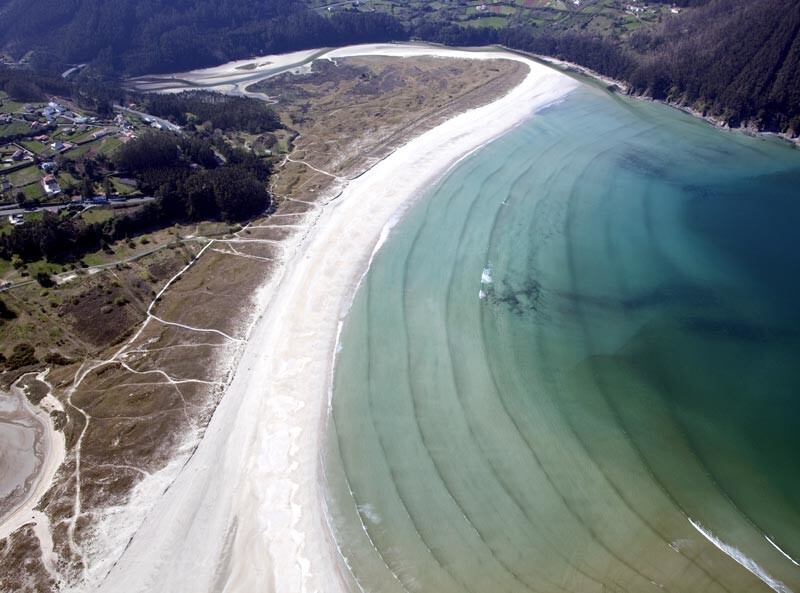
(572, 367)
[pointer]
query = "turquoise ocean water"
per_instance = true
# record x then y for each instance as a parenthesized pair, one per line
(575, 367)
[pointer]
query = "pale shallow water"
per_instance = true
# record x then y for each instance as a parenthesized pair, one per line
(21, 445)
(574, 367)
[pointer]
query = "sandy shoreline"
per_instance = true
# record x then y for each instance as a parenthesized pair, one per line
(246, 512)
(49, 454)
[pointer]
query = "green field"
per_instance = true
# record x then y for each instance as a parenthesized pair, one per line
(601, 17)
(121, 188)
(9, 106)
(35, 191)
(5, 265)
(109, 145)
(79, 151)
(65, 179)
(105, 146)
(495, 22)
(24, 176)
(34, 146)
(13, 129)
(93, 215)
(65, 136)
(44, 266)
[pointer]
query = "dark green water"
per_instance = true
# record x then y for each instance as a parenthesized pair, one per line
(576, 367)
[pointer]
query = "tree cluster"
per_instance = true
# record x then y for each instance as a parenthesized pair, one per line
(196, 178)
(55, 238)
(6, 313)
(192, 179)
(221, 111)
(87, 90)
(26, 86)
(598, 53)
(22, 355)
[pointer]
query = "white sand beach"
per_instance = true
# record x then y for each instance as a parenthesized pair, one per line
(246, 512)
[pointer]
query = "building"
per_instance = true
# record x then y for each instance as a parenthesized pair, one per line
(50, 185)
(48, 167)
(53, 111)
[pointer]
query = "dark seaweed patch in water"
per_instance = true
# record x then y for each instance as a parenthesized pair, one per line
(682, 295)
(738, 330)
(519, 301)
(645, 164)
(698, 192)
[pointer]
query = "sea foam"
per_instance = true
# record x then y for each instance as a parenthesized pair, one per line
(777, 547)
(748, 563)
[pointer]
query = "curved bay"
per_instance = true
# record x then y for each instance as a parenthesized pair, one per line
(625, 380)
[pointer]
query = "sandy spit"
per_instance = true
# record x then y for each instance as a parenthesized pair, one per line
(49, 454)
(246, 512)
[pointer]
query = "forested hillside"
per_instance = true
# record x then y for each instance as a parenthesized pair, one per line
(148, 36)
(738, 60)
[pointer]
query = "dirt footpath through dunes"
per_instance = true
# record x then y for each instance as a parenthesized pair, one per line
(250, 503)
(139, 403)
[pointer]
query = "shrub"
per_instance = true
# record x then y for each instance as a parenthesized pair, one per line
(23, 355)
(44, 279)
(57, 358)
(5, 312)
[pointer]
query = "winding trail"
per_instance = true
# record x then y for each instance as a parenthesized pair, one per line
(247, 511)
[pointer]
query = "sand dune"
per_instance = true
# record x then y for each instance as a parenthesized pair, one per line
(246, 513)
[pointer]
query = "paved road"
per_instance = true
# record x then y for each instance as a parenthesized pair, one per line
(11, 210)
(67, 73)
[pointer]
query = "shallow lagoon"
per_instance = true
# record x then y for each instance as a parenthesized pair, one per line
(574, 367)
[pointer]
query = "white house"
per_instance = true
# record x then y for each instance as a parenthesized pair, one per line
(50, 185)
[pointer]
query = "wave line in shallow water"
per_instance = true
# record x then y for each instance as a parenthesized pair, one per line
(777, 547)
(737, 555)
